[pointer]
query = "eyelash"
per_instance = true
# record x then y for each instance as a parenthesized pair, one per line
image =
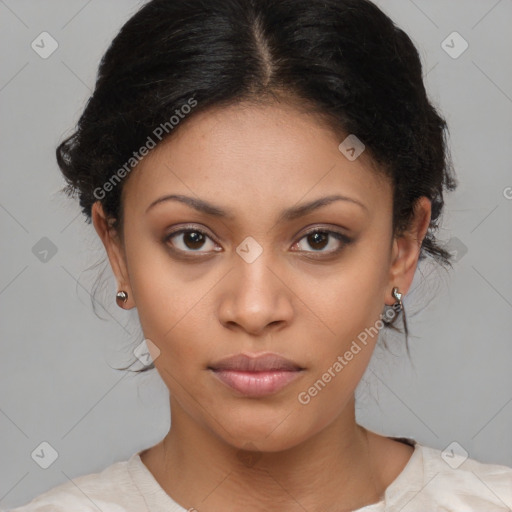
(345, 240)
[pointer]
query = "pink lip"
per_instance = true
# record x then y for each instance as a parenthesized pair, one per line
(255, 376)
(257, 383)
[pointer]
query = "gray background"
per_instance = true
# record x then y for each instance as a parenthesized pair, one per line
(56, 380)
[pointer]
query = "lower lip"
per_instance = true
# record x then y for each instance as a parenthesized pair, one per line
(256, 383)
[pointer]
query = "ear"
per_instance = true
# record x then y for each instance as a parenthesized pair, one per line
(406, 250)
(114, 249)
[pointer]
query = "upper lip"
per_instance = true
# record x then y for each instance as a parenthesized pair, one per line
(255, 363)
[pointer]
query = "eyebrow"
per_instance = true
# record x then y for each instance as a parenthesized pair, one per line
(288, 214)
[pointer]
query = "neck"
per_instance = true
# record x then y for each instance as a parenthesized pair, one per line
(335, 469)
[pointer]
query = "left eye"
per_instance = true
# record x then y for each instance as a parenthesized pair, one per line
(319, 239)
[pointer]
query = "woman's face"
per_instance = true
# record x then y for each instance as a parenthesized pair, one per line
(256, 282)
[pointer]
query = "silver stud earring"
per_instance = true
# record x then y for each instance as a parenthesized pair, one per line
(398, 296)
(121, 297)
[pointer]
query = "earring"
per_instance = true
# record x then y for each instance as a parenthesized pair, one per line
(398, 296)
(121, 296)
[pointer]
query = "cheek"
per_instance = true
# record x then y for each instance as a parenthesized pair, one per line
(174, 320)
(342, 322)
(342, 348)
(170, 301)
(343, 304)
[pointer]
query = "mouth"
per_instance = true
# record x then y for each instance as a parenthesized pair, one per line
(256, 376)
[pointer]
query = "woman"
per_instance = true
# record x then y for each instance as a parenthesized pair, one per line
(265, 177)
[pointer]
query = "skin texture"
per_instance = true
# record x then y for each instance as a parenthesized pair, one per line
(223, 450)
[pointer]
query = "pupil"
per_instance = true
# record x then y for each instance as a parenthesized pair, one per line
(318, 237)
(193, 239)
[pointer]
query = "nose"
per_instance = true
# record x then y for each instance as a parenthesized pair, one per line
(255, 297)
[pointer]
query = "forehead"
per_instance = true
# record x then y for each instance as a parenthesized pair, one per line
(250, 156)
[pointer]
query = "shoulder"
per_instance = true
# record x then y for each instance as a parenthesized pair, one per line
(449, 481)
(110, 490)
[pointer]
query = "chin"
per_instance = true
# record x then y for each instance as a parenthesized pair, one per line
(271, 432)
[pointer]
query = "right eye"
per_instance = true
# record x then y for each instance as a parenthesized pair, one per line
(189, 240)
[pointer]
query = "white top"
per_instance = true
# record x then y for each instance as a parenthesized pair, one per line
(427, 482)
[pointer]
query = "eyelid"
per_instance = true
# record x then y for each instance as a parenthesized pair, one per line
(190, 227)
(324, 228)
